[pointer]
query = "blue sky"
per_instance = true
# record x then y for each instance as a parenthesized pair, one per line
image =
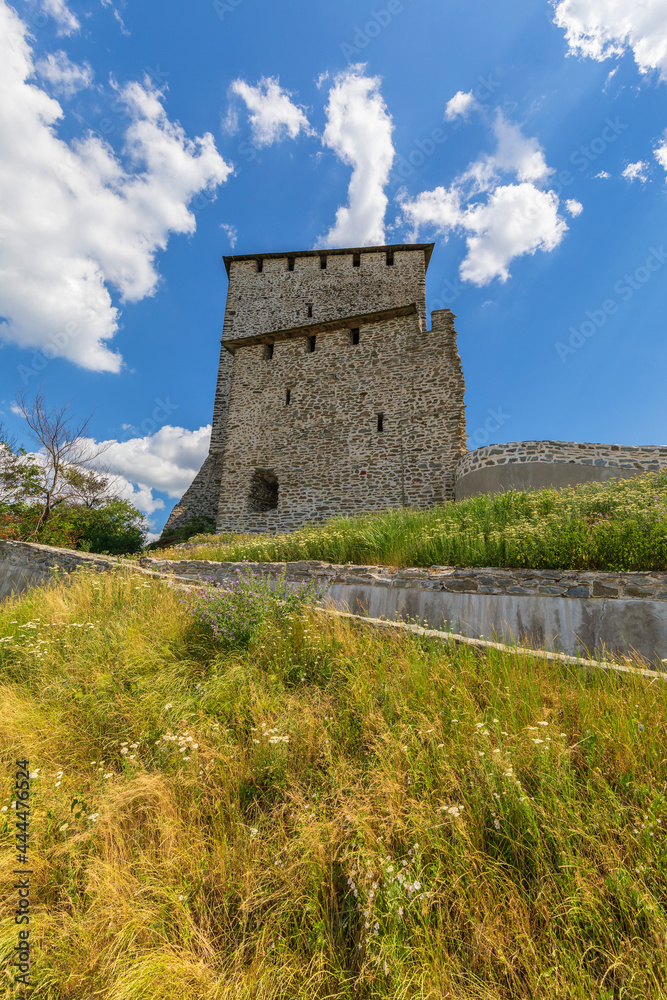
(141, 143)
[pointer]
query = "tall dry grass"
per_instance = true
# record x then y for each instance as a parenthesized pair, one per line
(246, 815)
(619, 525)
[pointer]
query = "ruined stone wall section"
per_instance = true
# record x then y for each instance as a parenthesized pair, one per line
(202, 497)
(324, 446)
(645, 458)
(277, 299)
(221, 403)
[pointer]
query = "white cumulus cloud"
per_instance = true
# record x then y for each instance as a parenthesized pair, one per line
(574, 207)
(273, 115)
(359, 129)
(64, 76)
(460, 104)
(603, 28)
(138, 494)
(636, 171)
(167, 460)
(497, 203)
(514, 153)
(76, 220)
(517, 219)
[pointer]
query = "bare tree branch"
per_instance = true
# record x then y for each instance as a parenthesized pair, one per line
(67, 451)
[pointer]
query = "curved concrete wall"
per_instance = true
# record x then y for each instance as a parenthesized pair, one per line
(533, 465)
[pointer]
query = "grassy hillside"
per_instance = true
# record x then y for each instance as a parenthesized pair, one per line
(327, 813)
(620, 525)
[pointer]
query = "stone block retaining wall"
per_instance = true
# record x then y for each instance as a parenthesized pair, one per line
(642, 458)
(579, 613)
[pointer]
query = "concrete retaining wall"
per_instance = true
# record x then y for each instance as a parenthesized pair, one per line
(577, 613)
(566, 611)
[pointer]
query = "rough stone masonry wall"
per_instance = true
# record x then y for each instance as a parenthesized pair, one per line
(571, 611)
(24, 564)
(535, 465)
(202, 497)
(324, 447)
(277, 299)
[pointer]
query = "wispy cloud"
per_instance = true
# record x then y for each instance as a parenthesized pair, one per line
(359, 130)
(460, 105)
(65, 77)
(636, 171)
(68, 23)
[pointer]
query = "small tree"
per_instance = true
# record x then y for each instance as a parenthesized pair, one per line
(68, 450)
(19, 473)
(88, 488)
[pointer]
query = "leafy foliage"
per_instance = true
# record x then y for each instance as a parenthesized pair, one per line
(53, 499)
(117, 528)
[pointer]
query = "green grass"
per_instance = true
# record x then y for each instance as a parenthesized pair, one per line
(523, 802)
(620, 525)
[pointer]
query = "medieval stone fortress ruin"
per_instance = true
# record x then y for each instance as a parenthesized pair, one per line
(334, 397)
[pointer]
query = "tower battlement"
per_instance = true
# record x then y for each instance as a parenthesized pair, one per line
(274, 291)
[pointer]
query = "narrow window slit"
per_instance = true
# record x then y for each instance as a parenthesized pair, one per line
(311, 344)
(288, 397)
(354, 335)
(380, 421)
(390, 258)
(356, 260)
(323, 263)
(260, 265)
(268, 352)
(310, 312)
(290, 263)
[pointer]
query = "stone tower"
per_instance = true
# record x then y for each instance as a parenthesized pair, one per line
(333, 397)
